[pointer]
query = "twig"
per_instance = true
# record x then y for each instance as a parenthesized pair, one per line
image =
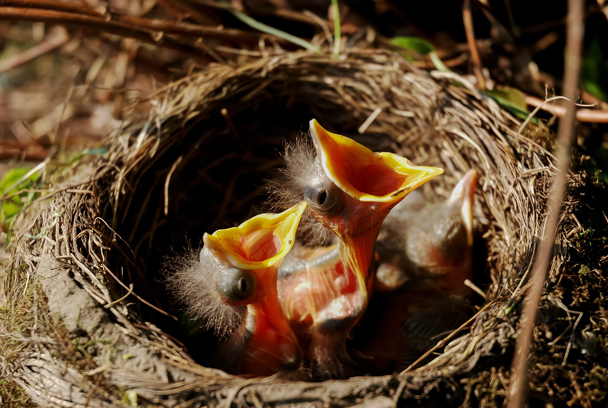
(191, 30)
(111, 304)
(323, 24)
(467, 18)
(54, 5)
(168, 180)
(543, 258)
(445, 340)
(142, 300)
(582, 115)
(55, 40)
(539, 107)
(91, 23)
(193, 12)
(28, 152)
(475, 288)
(370, 119)
(398, 392)
(228, 120)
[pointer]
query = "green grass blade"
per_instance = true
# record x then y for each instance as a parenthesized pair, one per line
(273, 31)
(337, 32)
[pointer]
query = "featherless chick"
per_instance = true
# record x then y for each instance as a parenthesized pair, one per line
(232, 287)
(425, 255)
(349, 190)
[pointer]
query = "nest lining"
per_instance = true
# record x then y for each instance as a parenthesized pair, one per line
(216, 135)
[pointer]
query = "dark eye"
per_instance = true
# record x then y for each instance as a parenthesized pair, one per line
(326, 199)
(322, 197)
(237, 284)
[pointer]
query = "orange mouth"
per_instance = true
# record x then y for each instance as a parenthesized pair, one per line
(323, 290)
(365, 175)
(258, 246)
(272, 345)
(259, 242)
(373, 183)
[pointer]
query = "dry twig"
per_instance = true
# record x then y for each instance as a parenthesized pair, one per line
(54, 5)
(541, 263)
(582, 115)
(89, 22)
(56, 39)
(467, 18)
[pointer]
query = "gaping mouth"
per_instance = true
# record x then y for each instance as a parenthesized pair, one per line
(259, 242)
(324, 290)
(363, 174)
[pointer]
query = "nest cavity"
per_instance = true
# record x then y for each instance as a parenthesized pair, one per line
(197, 162)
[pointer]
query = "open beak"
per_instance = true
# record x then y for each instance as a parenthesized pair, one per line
(463, 195)
(373, 183)
(365, 175)
(260, 242)
(259, 245)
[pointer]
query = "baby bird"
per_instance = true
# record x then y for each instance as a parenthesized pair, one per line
(425, 255)
(433, 242)
(233, 289)
(349, 190)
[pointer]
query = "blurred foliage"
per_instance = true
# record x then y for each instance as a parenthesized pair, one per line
(19, 181)
(512, 99)
(99, 151)
(594, 70)
(15, 180)
(422, 47)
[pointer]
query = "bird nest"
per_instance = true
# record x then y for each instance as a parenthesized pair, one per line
(87, 278)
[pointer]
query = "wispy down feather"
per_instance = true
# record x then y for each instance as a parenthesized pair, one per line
(286, 189)
(192, 285)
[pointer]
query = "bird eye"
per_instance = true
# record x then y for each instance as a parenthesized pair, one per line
(322, 197)
(237, 284)
(327, 200)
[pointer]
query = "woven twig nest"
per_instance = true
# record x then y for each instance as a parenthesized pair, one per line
(197, 163)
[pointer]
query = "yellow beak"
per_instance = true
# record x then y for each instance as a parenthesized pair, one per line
(259, 242)
(380, 177)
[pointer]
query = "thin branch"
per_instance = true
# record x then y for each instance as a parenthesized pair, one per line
(54, 5)
(323, 24)
(55, 40)
(192, 30)
(546, 101)
(543, 258)
(168, 179)
(446, 339)
(91, 23)
(208, 18)
(270, 11)
(142, 300)
(582, 115)
(112, 304)
(467, 18)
